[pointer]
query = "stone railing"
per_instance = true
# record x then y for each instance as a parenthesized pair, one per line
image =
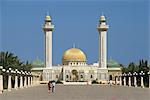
(130, 79)
(26, 79)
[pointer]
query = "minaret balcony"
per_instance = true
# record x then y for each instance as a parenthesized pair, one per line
(102, 27)
(48, 27)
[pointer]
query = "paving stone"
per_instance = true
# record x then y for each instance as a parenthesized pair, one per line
(78, 92)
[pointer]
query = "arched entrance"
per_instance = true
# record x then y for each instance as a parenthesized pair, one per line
(110, 77)
(74, 77)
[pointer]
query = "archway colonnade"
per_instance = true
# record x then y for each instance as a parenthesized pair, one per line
(15, 79)
(133, 79)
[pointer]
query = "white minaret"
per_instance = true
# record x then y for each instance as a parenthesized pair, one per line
(48, 28)
(102, 29)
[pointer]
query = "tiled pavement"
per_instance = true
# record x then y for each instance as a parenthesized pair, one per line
(80, 92)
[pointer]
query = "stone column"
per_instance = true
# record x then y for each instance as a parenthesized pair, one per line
(29, 81)
(142, 82)
(149, 78)
(124, 81)
(135, 80)
(21, 79)
(16, 79)
(25, 80)
(64, 75)
(149, 81)
(1, 80)
(129, 82)
(120, 81)
(9, 80)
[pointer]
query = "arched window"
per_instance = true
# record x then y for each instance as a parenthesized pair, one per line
(81, 76)
(67, 76)
(56, 76)
(91, 76)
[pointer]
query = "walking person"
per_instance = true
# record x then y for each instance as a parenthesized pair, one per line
(49, 86)
(53, 86)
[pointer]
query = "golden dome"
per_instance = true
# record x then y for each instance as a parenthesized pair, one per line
(73, 55)
(48, 18)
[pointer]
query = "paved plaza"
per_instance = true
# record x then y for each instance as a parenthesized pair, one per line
(82, 92)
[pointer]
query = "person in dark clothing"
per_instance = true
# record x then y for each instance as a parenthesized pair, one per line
(49, 86)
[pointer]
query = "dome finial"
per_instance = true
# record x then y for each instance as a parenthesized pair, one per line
(102, 14)
(48, 18)
(102, 18)
(47, 13)
(74, 46)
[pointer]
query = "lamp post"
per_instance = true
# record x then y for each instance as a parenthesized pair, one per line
(142, 81)
(129, 82)
(135, 80)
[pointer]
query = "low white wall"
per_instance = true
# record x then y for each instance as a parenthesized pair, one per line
(76, 83)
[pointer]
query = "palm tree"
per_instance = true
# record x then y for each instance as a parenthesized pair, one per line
(9, 60)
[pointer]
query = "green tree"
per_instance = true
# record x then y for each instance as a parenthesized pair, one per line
(9, 60)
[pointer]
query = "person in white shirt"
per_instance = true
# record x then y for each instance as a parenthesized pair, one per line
(53, 86)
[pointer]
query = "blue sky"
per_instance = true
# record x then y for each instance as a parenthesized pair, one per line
(75, 23)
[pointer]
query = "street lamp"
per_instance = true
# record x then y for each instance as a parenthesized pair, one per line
(142, 82)
(142, 73)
